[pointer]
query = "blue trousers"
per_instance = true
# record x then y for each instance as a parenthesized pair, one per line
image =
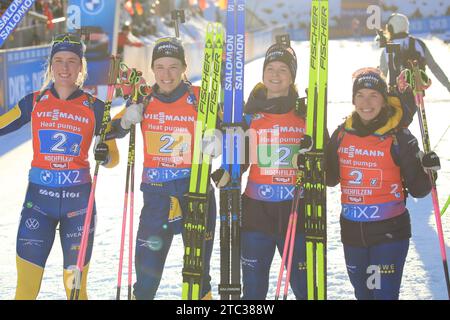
(258, 250)
(376, 271)
(44, 208)
(154, 237)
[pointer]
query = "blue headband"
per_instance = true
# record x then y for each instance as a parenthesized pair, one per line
(67, 46)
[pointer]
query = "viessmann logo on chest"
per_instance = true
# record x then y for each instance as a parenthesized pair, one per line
(55, 115)
(352, 151)
(162, 117)
(281, 129)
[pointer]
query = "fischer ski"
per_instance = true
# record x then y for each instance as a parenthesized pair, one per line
(196, 216)
(230, 195)
(314, 180)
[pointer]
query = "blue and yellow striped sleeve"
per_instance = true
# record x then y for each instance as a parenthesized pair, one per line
(18, 116)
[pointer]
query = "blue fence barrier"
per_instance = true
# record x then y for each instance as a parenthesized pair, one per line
(428, 25)
(21, 73)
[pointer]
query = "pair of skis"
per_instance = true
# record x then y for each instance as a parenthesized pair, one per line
(196, 216)
(315, 221)
(230, 195)
(312, 178)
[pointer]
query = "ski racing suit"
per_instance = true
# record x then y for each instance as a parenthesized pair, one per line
(375, 167)
(59, 182)
(267, 200)
(168, 132)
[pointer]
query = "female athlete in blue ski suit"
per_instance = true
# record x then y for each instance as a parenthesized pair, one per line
(167, 123)
(64, 119)
(267, 200)
(376, 160)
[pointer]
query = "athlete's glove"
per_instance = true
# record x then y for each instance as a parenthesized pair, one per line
(430, 161)
(221, 177)
(101, 152)
(306, 144)
(132, 115)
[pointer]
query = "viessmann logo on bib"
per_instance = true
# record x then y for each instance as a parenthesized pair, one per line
(352, 152)
(55, 115)
(162, 117)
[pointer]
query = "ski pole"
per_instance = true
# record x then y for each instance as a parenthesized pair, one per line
(131, 158)
(419, 83)
(133, 79)
(283, 259)
(289, 243)
(285, 40)
(112, 79)
(291, 250)
(125, 209)
(292, 224)
(122, 238)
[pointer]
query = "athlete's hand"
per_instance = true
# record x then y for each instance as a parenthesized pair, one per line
(101, 152)
(430, 161)
(132, 115)
(306, 144)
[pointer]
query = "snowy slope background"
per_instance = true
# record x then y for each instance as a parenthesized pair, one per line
(296, 14)
(423, 276)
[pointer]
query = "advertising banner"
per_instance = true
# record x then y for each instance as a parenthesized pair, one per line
(11, 18)
(21, 73)
(430, 25)
(100, 18)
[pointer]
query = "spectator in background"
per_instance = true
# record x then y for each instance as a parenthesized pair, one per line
(4, 4)
(150, 26)
(356, 29)
(57, 9)
(48, 12)
(127, 38)
(39, 6)
(411, 48)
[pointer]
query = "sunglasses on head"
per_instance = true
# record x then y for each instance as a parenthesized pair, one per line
(67, 37)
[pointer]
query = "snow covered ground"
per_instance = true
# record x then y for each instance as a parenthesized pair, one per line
(423, 275)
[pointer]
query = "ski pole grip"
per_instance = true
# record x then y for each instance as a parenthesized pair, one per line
(419, 80)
